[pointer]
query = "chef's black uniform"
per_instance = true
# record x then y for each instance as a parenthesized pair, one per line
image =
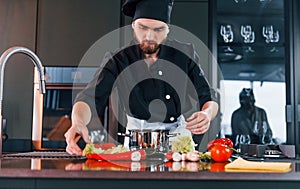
(140, 88)
(255, 124)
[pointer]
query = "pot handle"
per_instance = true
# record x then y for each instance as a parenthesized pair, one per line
(173, 135)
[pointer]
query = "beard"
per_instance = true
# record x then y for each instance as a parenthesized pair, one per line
(149, 47)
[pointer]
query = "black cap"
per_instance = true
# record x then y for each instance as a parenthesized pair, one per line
(246, 96)
(152, 9)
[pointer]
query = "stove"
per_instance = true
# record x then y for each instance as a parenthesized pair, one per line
(268, 151)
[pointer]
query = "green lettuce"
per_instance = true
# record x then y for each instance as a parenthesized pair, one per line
(184, 144)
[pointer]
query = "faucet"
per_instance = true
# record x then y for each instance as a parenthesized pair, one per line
(38, 66)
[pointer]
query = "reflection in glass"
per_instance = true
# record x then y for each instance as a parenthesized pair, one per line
(271, 36)
(242, 139)
(238, 1)
(254, 70)
(248, 35)
(227, 33)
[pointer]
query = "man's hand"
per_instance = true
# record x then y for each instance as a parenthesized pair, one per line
(198, 123)
(81, 116)
(72, 137)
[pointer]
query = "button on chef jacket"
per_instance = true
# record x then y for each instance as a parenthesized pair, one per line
(160, 93)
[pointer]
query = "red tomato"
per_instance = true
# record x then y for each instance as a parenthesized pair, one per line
(218, 167)
(224, 141)
(169, 156)
(220, 152)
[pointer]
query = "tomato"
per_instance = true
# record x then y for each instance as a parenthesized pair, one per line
(218, 167)
(220, 152)
(169, 156)
(224, 141)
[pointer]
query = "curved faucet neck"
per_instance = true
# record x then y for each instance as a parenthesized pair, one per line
(3, 60)
(36, 61)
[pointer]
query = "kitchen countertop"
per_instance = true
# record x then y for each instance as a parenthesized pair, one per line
(80, 173)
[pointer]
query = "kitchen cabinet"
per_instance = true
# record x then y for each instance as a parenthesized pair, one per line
(66, 29)
(60, 32)
(193, 17)
(255, 48)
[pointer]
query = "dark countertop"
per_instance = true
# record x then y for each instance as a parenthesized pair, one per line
(80, 173)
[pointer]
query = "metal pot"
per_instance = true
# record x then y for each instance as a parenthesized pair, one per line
(156, 139)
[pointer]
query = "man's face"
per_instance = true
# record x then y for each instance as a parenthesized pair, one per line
(149, 34)
(248, 103)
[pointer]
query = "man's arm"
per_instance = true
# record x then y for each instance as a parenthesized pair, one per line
(81, 116)
(199, 122)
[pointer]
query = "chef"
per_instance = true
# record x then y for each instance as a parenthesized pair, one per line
(250, 120)
(156, 79)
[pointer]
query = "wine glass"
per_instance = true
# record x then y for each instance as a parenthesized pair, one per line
(245, 139)
(248, 35)
(271, 36)
(227, 34)
(242, 139)
(274, 39)
(264, 138)
(267, 32)
(237, 1)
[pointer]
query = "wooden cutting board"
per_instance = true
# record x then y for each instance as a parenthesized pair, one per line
(241, 165)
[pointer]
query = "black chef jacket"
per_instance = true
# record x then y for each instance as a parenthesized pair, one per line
(167, 85)
(254, 124)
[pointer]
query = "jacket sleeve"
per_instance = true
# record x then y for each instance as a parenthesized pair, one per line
(97, 92)
(204, 91)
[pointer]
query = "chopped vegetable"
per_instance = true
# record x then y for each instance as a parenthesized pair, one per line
(91, 149)
(129, 156)
(105, 146)
(176, 156)
(117, 149)
(98, 149)
(205, 156)
(193, 156)
(136, 156)
(184, 144)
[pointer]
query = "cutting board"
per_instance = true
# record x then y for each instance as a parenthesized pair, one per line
(242, 165)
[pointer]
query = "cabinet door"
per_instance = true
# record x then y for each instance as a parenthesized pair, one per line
(252, 54)
(67, 28)
(293, 79)
(17, 28)
(193, 17)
